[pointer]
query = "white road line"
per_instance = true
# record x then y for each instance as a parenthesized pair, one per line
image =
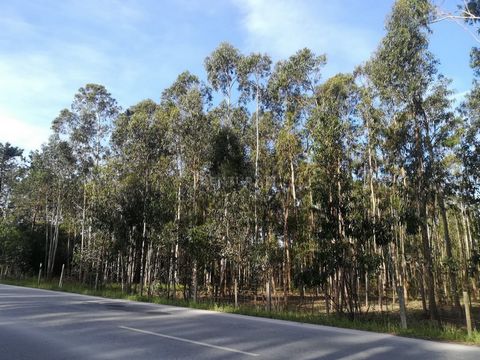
(188, 341)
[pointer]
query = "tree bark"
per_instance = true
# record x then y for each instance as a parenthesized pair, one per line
(448, 248)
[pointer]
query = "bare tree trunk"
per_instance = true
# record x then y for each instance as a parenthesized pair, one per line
(448, 248)
(421, 188)
(177, 240)
(472, 246)
(47, 232)
(143, 254)
(54, 238)
(257, 152)
(403, 310)
(235, 285)
(286, 270)
(292, 174)
(427, 258)
(82, 243)
(194, 281)
(195, 221)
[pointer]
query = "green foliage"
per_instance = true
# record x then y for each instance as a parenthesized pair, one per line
(9, 173)
(221, 67)
(228, 156)
(403, 65)
(293, 80)
(13, 250)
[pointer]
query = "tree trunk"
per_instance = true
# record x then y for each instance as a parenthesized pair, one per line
(286, 270)
(427, 258)
(82, 243)
(448, 248)
(257, 152)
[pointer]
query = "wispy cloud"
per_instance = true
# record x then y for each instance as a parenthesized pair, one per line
(29, 81)
(283, 26)
(43, 63)
(36, 86)
(21, 133)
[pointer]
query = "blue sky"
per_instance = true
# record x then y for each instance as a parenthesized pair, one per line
(48, 49)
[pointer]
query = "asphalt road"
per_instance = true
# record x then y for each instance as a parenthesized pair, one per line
(40, 324)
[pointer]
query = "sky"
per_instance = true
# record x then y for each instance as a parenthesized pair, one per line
(50, 48)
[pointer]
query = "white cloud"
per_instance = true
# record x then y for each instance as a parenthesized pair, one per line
(43, 64)
(21, 133)
(30, 87)
(35, 86)
(284, 26)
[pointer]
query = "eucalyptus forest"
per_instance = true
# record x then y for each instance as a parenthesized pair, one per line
(264, 183)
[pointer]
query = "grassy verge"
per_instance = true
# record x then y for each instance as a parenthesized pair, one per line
(383, 323)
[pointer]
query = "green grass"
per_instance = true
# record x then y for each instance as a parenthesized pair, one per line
(383, 323)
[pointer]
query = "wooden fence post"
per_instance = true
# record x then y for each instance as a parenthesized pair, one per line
(269, 295)
(39, 274)
(60, 282)
(235, 290)
(403, 310)
(466, 303)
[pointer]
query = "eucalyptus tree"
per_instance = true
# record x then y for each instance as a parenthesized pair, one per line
(228, 73)
(189, 132)
(86, 126)
(334, 142)
(254, 70)
(403, 70)
(469, 188)
(56, 163)
(442, 138)
(140, 146)
(222, 67)
(379, 164)
(291, 90)
(9, 172)
(470, 146)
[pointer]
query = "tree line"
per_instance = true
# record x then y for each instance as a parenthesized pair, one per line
(266, 179)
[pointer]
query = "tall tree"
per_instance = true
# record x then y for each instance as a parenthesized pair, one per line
(9, 166)
(403, 70)
(254, 70)
(291, 88)
(87, 128)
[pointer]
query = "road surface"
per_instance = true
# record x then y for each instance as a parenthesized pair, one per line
(40, 324)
